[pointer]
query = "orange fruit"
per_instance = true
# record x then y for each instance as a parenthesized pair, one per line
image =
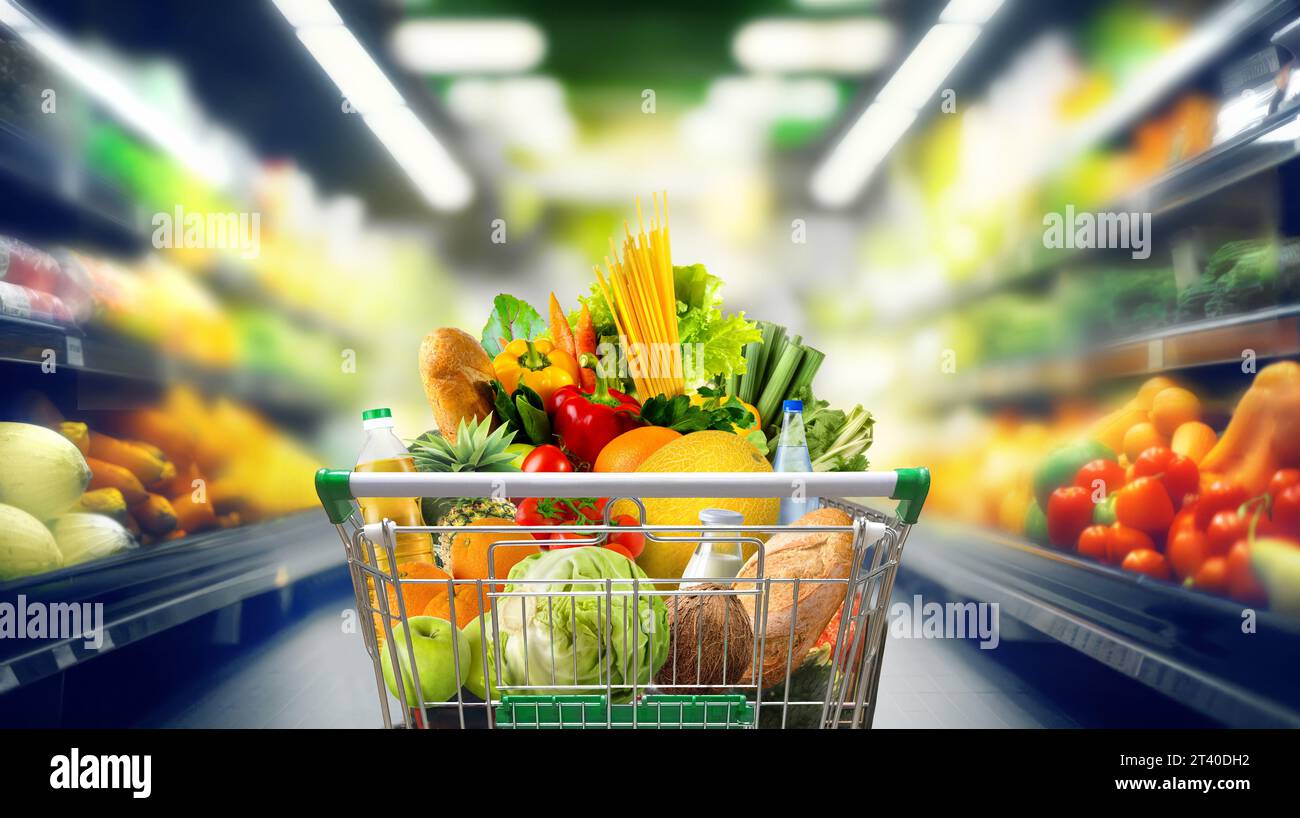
(1140, 437)
(468, 605)
(630, 449)
(1146, 395)
(1193, 439)
(469, 550)
(1172, 408)
(417, 595)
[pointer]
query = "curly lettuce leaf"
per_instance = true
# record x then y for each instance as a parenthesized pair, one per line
(713, 345)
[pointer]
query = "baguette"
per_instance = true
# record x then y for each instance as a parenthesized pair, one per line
(791, 555)
(457, 376)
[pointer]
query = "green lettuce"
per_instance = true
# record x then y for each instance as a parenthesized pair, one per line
(721, 339)
(560, 642)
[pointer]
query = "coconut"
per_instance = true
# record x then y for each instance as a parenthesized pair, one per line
(712, 642)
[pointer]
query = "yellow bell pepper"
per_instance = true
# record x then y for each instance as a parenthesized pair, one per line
(539, 365)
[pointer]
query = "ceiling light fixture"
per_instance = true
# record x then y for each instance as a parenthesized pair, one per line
(851, 45)
(468, 46)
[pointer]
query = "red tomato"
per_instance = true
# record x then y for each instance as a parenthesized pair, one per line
(1187, 552)
(1184, 520)
(1212, 576)
(615, 547)
(1221, 495)
(1177, 473)
(533, 512)
(546, 458)
(1286, 509)
(1124, 540)
(1094, 542)
(632, 541)
(1147, 561)
(1144, 504)
(1069, 512)
(589, 508)
(1242, 584)
(1100, 473)
(1225, 528)
(1282, 480)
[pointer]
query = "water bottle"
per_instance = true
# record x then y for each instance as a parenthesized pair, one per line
(792, 456)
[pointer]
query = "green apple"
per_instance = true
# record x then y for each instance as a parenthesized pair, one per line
(1277, 564)
(474, 679)
(520, 451)
(431, 639)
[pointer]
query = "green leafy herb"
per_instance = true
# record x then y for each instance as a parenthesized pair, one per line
(679, 414)
(510, 318)
(523, 413)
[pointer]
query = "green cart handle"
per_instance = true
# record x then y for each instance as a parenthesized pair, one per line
(337, 488)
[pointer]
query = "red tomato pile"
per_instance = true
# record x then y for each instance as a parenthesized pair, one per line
(1168, 525)
(568, 515)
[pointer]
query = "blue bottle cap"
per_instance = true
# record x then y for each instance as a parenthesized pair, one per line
(792, 406)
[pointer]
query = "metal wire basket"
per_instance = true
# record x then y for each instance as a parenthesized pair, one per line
(836, 690)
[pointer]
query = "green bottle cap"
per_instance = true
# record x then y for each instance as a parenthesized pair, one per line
(371, 414)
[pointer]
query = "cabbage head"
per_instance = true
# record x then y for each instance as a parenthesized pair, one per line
(563, 641)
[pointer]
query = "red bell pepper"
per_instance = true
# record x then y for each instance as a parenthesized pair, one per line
(586, 421)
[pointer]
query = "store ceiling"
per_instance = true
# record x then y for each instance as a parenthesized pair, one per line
(251, 74)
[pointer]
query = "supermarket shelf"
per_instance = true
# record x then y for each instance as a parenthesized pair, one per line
(151, 589)
(26, 341)
(236, 283)
(1266, 146)
(64, 193)
(1270, 333)
(1185, 644)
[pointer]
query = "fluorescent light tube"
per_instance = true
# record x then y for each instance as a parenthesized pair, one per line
(970, 11)
(929, 64)
(468, 46)
(855, 45)
(846, 170)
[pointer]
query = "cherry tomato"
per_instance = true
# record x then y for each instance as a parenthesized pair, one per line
(1100, 473)
(1187, 551)
(1144, 504)
(1221, 495)
(1124, 540)
(632, 541)
(1177, 473)
(1286, 510)
(615, 547)
(1225, 528)
(1184, 520)
(1069, 512)
(1212, 576)
(532, 511)
(1242, 583)
(1282, 480)
(546, 458)
(589, 508)
(1147, 561)
(1094, 542)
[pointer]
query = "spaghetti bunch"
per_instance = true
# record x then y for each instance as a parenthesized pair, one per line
(639, 291)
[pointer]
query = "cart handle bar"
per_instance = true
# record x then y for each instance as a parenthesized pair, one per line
(337, 488)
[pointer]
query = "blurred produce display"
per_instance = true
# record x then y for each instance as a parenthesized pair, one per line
(83, 489)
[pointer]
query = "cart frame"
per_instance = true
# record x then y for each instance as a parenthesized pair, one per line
(853, 674)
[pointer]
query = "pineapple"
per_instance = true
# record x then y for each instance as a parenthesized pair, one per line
(463, 512)
(477, 448)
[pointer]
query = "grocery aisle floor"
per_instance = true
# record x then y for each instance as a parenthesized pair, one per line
(312, 674)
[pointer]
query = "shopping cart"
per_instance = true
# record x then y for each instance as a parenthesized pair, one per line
(843, 684)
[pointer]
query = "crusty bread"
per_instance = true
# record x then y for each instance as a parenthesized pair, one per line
(457, 376)
(790, 555)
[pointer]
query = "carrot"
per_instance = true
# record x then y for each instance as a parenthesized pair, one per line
(104, 475)
(193, 516)
(561, 334)
(155, 514)
(144, 465)
(177, 534)
(156, 427)
(585, 341)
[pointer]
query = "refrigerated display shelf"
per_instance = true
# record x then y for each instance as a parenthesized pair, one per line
(68, 193)
(1268, 334)
(151, 589)
(36, 342)
(236, 283)
(1273, 142)
(1193, 647)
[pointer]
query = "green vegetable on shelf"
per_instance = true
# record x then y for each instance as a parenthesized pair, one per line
(1060, 466)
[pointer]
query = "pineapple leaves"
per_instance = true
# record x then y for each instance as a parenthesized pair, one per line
(523, 413)
(477, 448)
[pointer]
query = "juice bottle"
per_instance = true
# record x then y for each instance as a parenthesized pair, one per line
(383, 451)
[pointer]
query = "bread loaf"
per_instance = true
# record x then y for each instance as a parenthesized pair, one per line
(791, 555)
(457, 376)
